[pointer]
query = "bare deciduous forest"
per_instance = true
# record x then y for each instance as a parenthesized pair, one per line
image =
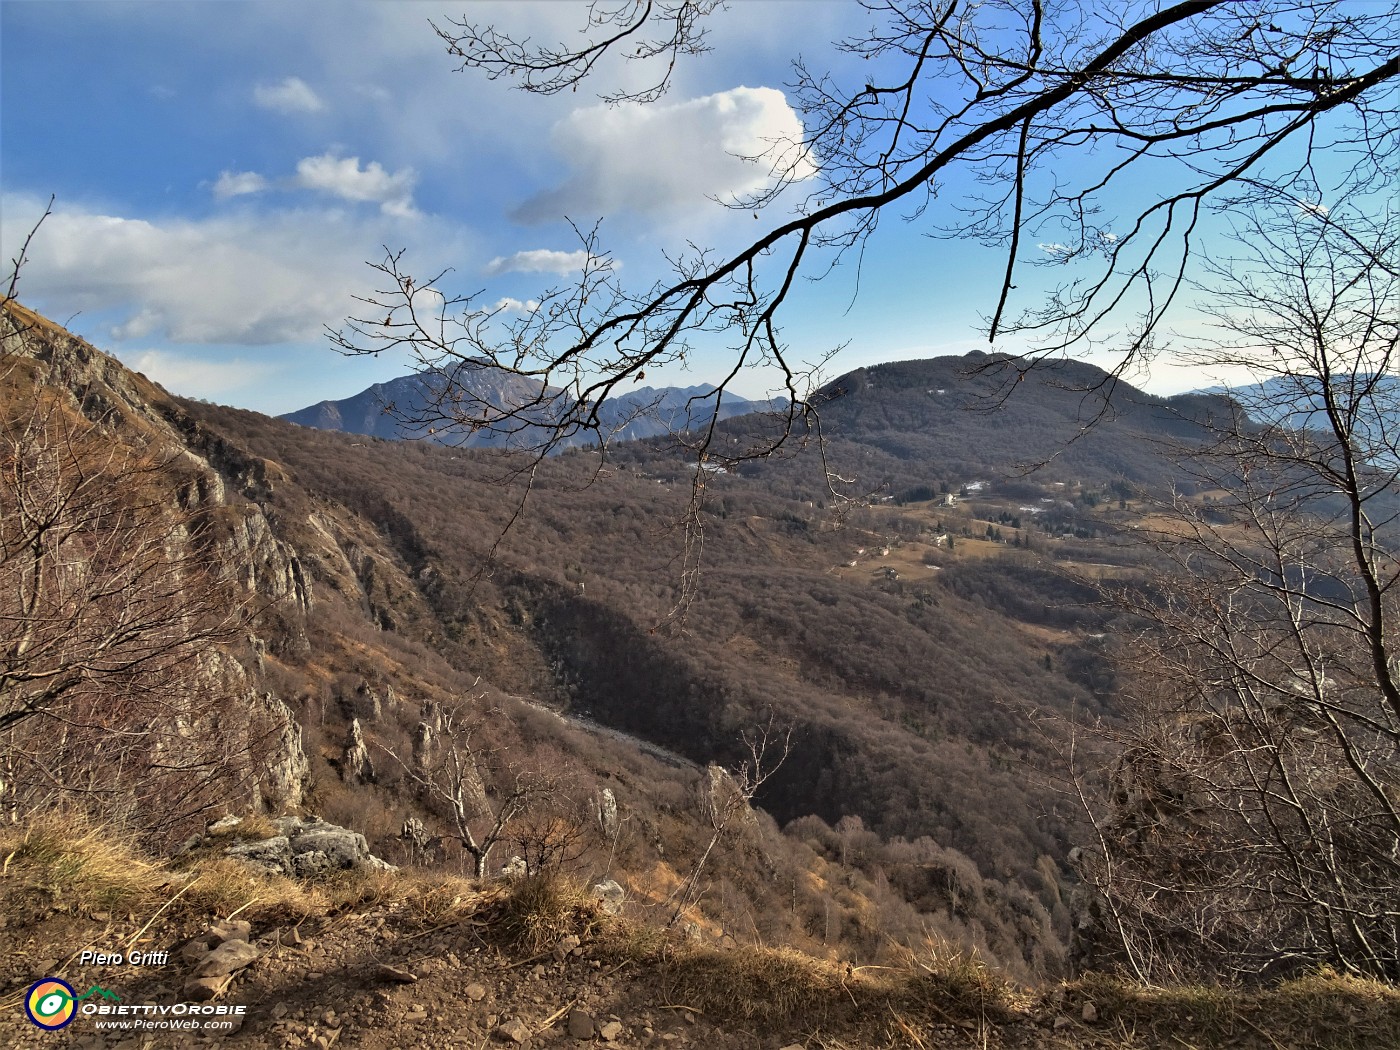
(994, 652)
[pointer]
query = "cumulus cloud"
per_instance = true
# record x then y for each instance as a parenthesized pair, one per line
(197, 375)
(238, 183)
(538, 260)
(343, 177)
(661, 159)
(508, 305)
(292, 95)
(241, 279)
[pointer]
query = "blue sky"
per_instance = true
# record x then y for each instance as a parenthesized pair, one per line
(224, 170)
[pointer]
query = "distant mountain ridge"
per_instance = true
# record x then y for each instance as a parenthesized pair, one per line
(403, 409)
(1296, 401)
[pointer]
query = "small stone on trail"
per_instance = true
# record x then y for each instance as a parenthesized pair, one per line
(226, 958)
(202, 989)
(580, 1024)
(230, 930)
(513, 1032)
(1090, 1013)
(474, 992)
(385, 972)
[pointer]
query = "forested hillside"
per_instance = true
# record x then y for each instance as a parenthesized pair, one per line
(928, 651)
(921, 713)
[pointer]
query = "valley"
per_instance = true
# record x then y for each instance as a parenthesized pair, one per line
(859, 724)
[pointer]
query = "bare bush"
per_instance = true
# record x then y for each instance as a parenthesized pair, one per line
(113, 695)
(453, 772)
(1253, 823)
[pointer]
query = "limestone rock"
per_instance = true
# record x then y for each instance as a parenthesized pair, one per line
(227, 958)
(355, 764)
(195, 950)
(365, 702)
(607, 812)
(568, 945)
(424, 743)
(308, 847)
(282, 782)
(272, 855)
(610, 896)
(229, 930)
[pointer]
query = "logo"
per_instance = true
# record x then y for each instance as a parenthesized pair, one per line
(51, 1003)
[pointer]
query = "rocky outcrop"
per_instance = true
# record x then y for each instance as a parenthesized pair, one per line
(304, 847)
(281, 780)
(424, 744)
(607, 813)
(368, 703)
(355, 764)
(268, 566)
(218, 477)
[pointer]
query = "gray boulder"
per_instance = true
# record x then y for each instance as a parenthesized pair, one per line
(305, 848)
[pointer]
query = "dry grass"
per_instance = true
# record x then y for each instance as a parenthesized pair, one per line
(254, 826)
(537, 912)
(769, 985)
(934, 995)
(955, 983)
(89, 867)
(1322, 1011)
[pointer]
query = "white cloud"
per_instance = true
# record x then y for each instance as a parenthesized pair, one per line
(660, 159)
(238, 183)
(343, 177)
(538, 260)
(199, 375)
(292, 95)
(507, 305)
(251, 279)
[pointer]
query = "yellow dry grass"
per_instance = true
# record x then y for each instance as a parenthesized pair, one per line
(930, 993)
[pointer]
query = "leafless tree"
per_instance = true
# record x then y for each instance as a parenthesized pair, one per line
(449, 773)
(1254, 819)
(725, 800)
(1057, 111)
(111, 615)
(21, 257)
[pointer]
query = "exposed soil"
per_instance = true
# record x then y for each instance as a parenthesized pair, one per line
(381, 979)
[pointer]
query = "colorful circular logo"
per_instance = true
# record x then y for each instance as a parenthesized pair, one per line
(50, 1003)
